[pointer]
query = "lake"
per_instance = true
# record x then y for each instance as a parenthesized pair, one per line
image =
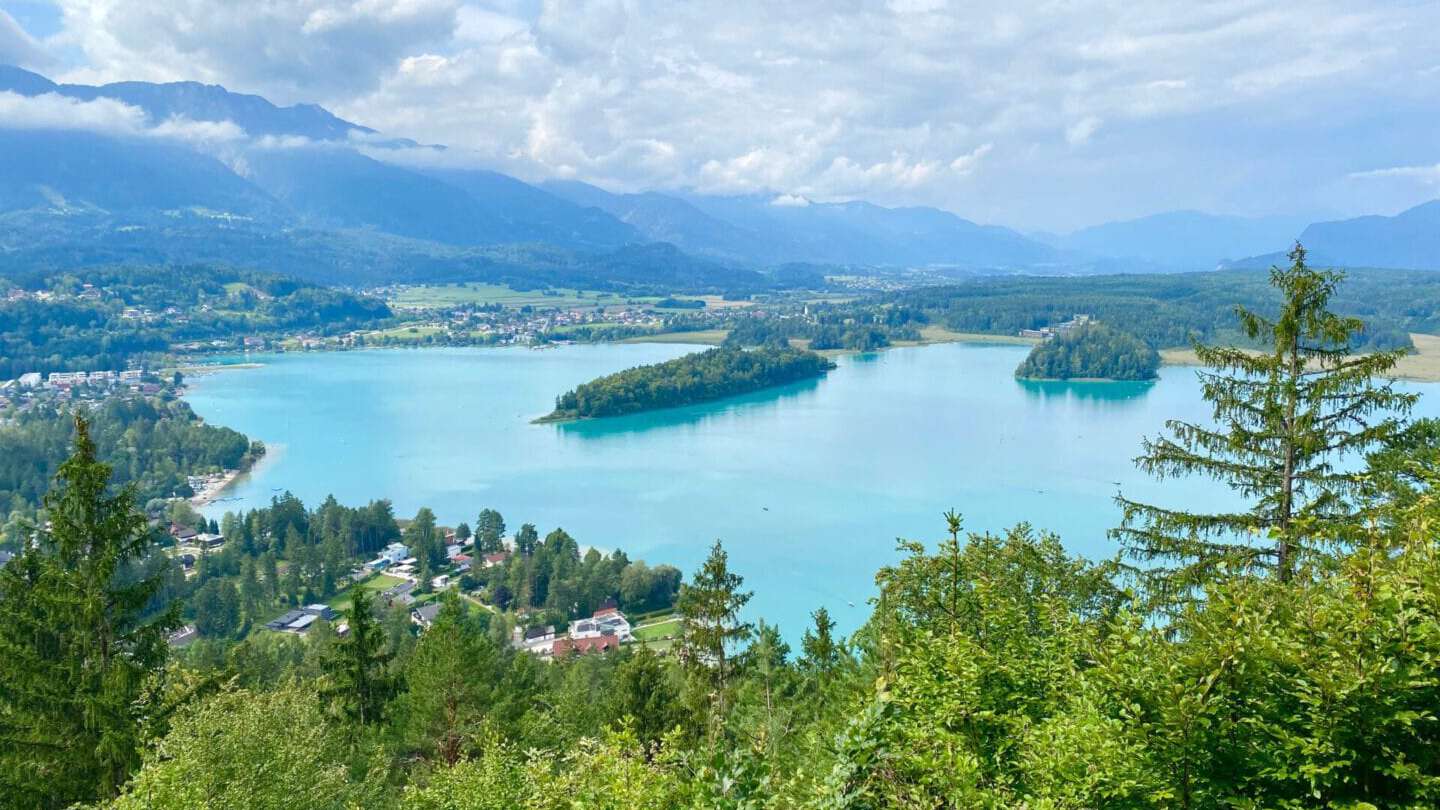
(808, 485)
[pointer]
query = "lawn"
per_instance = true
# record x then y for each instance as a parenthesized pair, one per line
(659, 631)
(379, 582)
(709, 337)
(453, 295)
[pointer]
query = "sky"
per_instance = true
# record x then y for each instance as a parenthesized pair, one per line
(1037, 115)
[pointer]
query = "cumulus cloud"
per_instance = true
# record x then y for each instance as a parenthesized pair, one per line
(895, 101)
(293, 50)
(107, 117)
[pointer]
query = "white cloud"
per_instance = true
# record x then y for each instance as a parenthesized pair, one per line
(829, 100)
(790, 201)
(1081, 131)
(107, 117)
(967, 162)
(17, 47)
(1424, 174)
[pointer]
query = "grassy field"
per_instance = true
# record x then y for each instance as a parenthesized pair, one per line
(939, 334)
(1422, 366)
(416, 332)
(709, 337)
(658, 631)
(341, 601)
(452, 295)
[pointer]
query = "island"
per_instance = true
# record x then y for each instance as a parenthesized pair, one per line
(701, 377)
(1091, 351)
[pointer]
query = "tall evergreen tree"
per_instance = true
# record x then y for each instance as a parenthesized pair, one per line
(359, 687)
(709, 608)
(79, 663)
(1286, 419)
(448, 680)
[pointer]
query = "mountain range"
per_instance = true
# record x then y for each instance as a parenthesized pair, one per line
(332, 198)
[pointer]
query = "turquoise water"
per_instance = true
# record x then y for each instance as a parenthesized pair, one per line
(807, 485)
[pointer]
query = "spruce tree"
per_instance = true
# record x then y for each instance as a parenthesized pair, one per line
(1289, 421)
(709, 609)
(359, 686)
(79, 658)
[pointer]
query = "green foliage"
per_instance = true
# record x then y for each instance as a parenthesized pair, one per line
(700, 377)
(259, 750)
(79, 663)
(710, 629)
(1092, 351)
(148, 442)
(73, 333)
(1286, 420)
(359, 688)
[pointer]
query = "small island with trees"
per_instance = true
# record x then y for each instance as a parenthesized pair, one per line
(717, 373)
(1091, 351)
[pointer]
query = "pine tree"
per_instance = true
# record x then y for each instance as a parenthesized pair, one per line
(79, 663)
(448, 679)
(709, 608)
(359, 687)
(1286, 419)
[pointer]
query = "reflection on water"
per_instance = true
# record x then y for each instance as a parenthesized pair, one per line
(1118, 392)
(694, 415)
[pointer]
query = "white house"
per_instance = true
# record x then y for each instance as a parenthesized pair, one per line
(30, 379)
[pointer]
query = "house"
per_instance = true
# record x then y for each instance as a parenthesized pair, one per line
(395, 552)
(207, 540)
(183, 636)
(292, 621)
(425, 615)
(183, 534)
(492, 560)
(30, 380)
(187, 560)
(400, 594)
(584, 646)
(441, 582)
(322, 611)
(608, 620)
(133, 375)
(452, 550)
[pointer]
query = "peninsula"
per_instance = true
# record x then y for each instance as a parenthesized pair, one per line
(1091, 351)
(701, 377)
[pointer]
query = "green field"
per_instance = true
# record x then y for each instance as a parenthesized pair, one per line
(709, 337)
(666, 629)
(341, 601)
(410, 332)
(455, 294)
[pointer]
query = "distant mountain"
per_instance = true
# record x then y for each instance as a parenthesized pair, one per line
(1183, 240)
(1408, 240)
(198, 102)
(664, 218)
(761, 229)
(535, 215)
(66, 171)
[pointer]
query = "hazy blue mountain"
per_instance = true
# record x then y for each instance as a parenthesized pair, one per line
(64, 171)
(1184, 240)
(1410, 239)
(330, 187)
(535, 215)
(198, 102)
(664, 218)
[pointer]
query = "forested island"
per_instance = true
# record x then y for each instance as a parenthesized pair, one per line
(1091, 352)
(701, 377)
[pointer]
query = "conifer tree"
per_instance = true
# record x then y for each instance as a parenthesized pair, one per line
(1286, 418)
(709, 608)
(79, 660)
(359, 687)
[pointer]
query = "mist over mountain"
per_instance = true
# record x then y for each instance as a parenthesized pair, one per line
(186, 162)
(1184, 240)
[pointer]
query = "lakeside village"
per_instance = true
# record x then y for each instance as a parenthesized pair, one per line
(397, 574)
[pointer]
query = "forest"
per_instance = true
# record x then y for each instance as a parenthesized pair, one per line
(85, 328)
(1281, 655)
(150, 442)
(1172, 310)
(701, 377)
(1092, 351)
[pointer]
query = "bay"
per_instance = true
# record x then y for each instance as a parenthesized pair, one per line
(808, 485)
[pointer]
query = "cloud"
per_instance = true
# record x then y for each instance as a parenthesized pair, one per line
(107, 117)
(790, 201)
(17, 47)
(833, 101)
(1081, 131)
(294, 50)
(1424, 174)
